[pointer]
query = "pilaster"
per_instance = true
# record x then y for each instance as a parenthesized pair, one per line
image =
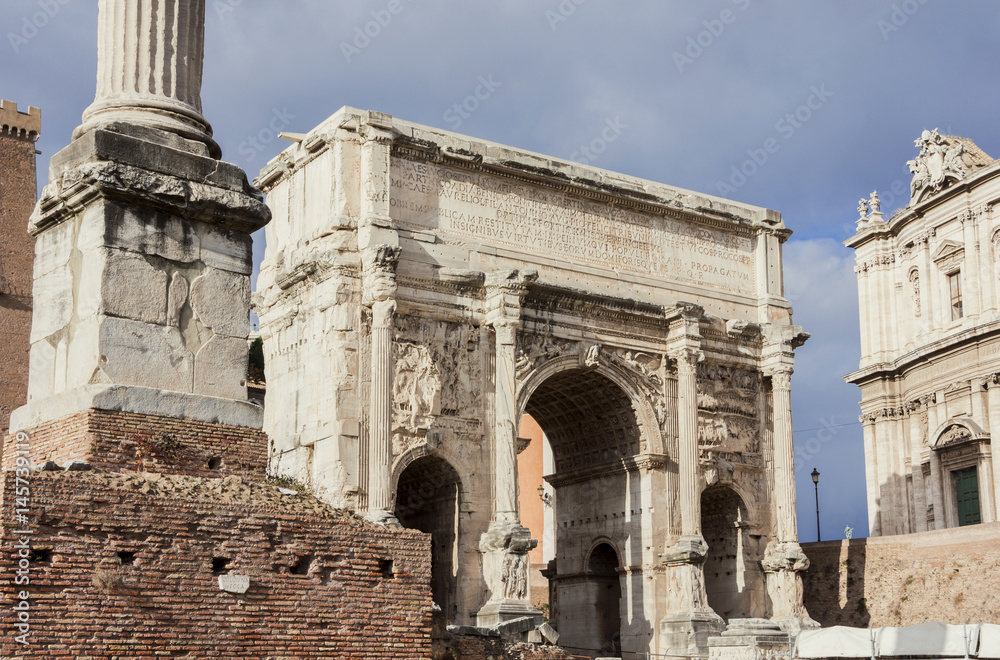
(993, 393)
(379, 278)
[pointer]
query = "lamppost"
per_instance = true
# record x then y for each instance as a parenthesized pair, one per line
(815, 476)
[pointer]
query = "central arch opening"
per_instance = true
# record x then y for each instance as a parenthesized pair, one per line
(732, 573)
(427, 499)
(593, 433)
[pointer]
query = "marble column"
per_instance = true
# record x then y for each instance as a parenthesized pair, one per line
(783, 558)
(379, 265)
(149, 72)
(505, 426)
(506, 544)
(687, 415)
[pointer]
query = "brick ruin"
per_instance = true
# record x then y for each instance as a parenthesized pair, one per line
(18, 133)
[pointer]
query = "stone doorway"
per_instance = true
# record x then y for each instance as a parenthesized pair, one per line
(594, 435)
(428, 497)
(603, 574)
(732, 575)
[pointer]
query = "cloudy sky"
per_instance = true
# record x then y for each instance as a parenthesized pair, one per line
(841, 88)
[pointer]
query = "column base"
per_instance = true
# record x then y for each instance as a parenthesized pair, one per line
(687, 633)
(384, 518)
(782, 564)
(744, 638)
(505, 547)
(496, 612)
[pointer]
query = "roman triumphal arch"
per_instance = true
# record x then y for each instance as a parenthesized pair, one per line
(421, 290)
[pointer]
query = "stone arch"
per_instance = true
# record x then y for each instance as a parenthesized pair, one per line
(651, 435)
(428, 492)
(732, 566)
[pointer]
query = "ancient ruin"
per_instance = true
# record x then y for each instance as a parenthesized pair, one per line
(422, 290)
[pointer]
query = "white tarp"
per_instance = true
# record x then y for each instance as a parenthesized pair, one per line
(989, 641)
(835, 642)
(936, 639)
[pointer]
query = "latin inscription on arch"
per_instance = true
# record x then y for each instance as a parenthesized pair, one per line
(506, 213)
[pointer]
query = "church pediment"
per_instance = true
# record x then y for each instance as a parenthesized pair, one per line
(949, 255)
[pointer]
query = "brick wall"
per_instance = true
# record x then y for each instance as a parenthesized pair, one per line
(127, 442)
(949, 575)
(127, 566)
(17, 198)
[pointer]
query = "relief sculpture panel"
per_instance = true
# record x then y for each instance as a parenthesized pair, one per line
(438, 372)
(728, 411)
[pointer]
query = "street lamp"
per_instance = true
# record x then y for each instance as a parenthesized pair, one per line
(815, 476)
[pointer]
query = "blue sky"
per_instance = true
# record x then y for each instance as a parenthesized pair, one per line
(836, 90)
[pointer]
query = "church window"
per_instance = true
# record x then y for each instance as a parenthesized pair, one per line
(955, 290)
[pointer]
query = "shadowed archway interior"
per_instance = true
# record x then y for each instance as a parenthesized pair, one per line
(587, 418)
(427, 498)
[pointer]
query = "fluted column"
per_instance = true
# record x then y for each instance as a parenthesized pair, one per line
(783, 558)
(505, 426)
(380, 288)
(379, 465)
(687, 413)
(784, 456)
(871, 475)
(149, 68)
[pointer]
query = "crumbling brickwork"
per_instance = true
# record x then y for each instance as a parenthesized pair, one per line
(947, 575)
(18, 132)
(128, 442)
(128, 566)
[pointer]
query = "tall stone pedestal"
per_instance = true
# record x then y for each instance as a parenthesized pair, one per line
(690, 622)
(782, 564)
(143, 250)
(505, 550)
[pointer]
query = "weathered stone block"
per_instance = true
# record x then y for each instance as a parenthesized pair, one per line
(41, 366)
(123, 284)
(54, 292)
(140, 230)
(135, 353)
(221, 301)
(220, 368)
(227, 250)
(54, 248)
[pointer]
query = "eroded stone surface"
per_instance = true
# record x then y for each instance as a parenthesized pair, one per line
(221, 301)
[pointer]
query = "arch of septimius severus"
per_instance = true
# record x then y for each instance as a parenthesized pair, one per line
(422, 290)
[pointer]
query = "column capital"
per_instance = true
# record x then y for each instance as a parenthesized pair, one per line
(504, 290)
(687, 358)
(378, 272)
(382, 313)
(991, 381)
(781, 376)
(506, 331)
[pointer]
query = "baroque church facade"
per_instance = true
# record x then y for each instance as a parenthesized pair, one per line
(929, 292)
